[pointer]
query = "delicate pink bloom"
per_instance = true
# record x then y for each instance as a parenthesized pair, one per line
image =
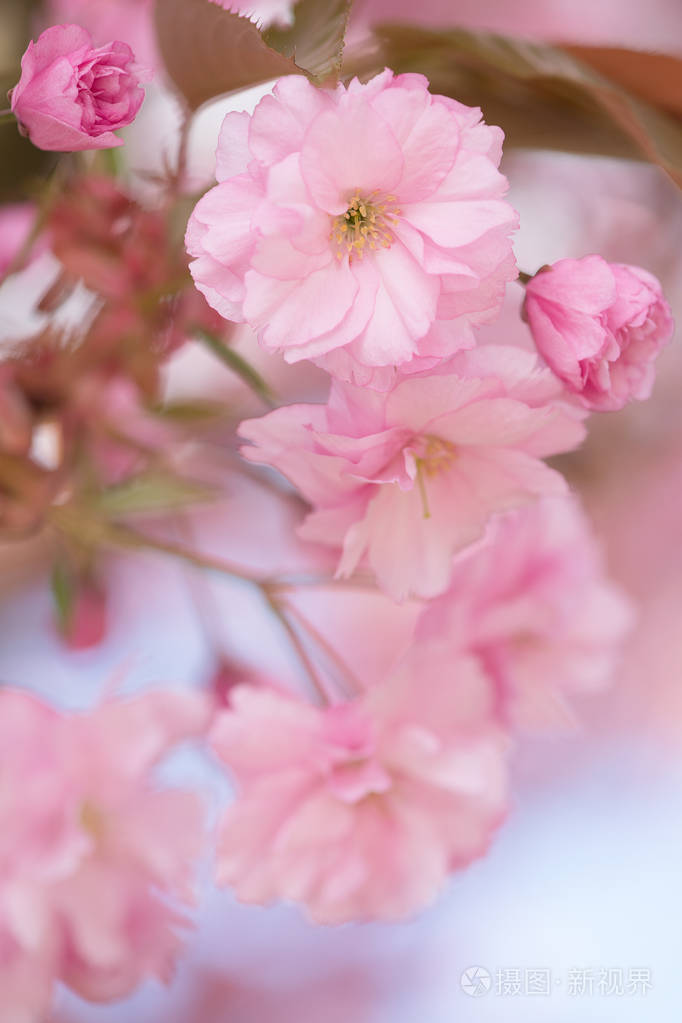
(360, 811)
(411, 476)
(72, 96)
(363, 227)
(531, 600)
(90, 849)
(599, 326)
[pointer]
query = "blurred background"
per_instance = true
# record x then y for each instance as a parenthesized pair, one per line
(583, 883)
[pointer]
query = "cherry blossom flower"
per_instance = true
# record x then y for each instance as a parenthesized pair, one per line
(361, 810)
(90, 849)
(600, 327)
(411, 476)
(532, 601)
(363, 227)
(72, 96)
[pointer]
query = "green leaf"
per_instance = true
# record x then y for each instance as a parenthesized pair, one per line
(208, 51)
(315, 39)
(238, 364)
(149, 493)
(540, 95)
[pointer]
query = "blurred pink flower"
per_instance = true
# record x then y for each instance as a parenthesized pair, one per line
(90, 848)
(72, 96)
(412, 476)
(364, 225)
(360, 811)
(26, 988)
(599, 326)
(531, 600)
(16, 222)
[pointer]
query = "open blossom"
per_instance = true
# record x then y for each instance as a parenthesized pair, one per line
(361, 810)
(413, 475)
(532, 602)
(90, 849)
(600, 327)
(362, 227)
(73, 96)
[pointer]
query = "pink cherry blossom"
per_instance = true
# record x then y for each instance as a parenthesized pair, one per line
(531, 600)
(361, 810)
(72, 96)
(411, 476)
(363, 227)
(600, 327)
(90, 849)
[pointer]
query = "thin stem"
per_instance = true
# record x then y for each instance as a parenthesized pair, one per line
(298, 646)
(237, 364)
(355, 582)
(180, 172)
(131, 537)
(48, 200)
(6, 115)
(326, 647)
(93, 531)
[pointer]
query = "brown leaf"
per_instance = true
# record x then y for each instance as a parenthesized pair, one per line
(315, 40)
(208, 51)
(540, 95)
(653, 77)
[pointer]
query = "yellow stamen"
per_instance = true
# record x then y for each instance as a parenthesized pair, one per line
(364, 224)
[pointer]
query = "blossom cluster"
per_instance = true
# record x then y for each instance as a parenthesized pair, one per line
(367, 229)
(364, 229)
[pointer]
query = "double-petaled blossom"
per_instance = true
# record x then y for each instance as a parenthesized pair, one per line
(90, 849)
(361, 810)
(73, 96)
(600, 327)
(363, 227)
(411, 476)
(532, 602)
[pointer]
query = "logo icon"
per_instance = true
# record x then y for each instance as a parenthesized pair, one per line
(475, 981)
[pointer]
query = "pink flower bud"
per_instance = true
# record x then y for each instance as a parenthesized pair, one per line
(72, 96)
(599, 326)
(84, 625)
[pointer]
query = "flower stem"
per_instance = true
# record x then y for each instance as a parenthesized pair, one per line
(298, 646)
(326, 648)
(524, 278)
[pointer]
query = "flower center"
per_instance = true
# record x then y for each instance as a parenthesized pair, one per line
(366, 224)
(435, 454)
(92, 819)
(432, 455)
